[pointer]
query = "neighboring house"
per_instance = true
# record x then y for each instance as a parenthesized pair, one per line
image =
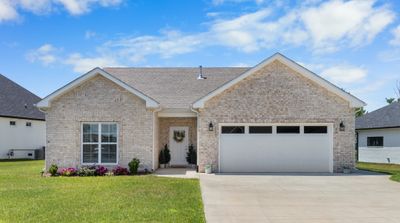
(379, 135)
(22, 125)
(274, 117)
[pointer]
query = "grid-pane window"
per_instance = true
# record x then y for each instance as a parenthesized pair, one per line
(90, 153)
(287, 129)
(375, 141)
(260, 129)
(232, 130)
(99, 135)
(315, 129)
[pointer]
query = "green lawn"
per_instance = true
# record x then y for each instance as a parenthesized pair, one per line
(25, 196)
(392, 169)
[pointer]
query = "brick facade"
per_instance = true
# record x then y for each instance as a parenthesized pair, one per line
(99, 100)
(277, 94)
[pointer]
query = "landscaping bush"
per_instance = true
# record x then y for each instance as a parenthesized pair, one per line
(101, 170)
(67, 172)
(164, 156)
(86, 171)
(118, 170)
(53, 169)
(191, 157)
(134, 165)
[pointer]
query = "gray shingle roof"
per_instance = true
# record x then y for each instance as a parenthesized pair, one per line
(175, 87)
(385, 117)
(16, 101)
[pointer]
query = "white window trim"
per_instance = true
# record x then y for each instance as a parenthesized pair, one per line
(100, 143)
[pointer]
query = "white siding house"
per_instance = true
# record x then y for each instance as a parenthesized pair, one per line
(22, 125)
(379, 135)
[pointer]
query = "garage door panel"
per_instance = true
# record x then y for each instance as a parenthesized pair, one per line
(275, 153)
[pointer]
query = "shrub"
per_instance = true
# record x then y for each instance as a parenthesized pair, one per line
(134, 165)
(53, 169)
(165, 155)
(191, 157)
(87, 171)
(67, 172)
(101, 170)
(118, 170)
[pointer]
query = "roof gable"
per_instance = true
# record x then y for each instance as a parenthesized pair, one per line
(17, 102)
(46, 102)
(353, 101)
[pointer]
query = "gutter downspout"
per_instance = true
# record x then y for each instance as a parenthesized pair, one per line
(198, 135)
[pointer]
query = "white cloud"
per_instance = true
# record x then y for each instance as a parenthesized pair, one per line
(344, 74)
(323, 27)
(352, 22)
(44, 54)
(169, 44)
(7, 11)
(220, 2)
(396, 36)
(10, 9)
(35, 6)
(78, 7)
(82, 64)
(90, 34)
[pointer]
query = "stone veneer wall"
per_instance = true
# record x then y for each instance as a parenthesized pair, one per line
(99, 100)
(277, 94)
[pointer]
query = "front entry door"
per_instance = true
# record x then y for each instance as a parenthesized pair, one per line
(178, 143)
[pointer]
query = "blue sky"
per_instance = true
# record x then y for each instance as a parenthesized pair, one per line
(44, 44)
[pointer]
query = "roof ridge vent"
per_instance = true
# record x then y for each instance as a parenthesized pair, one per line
(201, 77)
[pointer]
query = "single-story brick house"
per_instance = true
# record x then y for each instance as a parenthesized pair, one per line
(274, 117)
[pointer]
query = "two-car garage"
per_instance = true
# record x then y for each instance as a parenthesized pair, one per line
(275, 147)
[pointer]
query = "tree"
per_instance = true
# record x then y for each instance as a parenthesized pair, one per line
(191, 155)
(360, 111)
(390, 100)
(164, 156)
(397, 93)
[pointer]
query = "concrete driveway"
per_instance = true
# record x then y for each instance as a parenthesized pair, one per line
(300, 198)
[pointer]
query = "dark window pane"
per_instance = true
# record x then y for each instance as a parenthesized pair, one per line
(90, 154)
(12, 122)
(260, 129)
(232, 130)
(90, 132)
(375, 141)
(109, 133)
(288, 129)
(315, 129)
(109, 153)
(29, 124)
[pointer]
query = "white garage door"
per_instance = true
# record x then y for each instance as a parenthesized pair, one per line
(276, 148)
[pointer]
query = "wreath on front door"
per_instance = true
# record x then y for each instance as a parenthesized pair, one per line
(179, 135)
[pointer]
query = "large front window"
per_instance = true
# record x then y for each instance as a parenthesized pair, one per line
(99, 135)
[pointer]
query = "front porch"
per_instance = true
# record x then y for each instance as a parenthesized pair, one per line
(178, 133)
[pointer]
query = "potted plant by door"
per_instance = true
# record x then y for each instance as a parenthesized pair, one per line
(208, 168)
(346, 170)
(191, 156)
(164, 157)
